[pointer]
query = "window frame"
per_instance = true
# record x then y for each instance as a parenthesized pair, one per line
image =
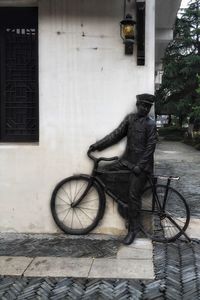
(21, 17)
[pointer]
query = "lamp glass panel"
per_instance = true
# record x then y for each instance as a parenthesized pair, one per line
(128, 31)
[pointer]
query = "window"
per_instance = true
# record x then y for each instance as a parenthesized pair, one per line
(19, 115)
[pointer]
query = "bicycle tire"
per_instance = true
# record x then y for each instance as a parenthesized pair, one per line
(170, 224)
(84, 217)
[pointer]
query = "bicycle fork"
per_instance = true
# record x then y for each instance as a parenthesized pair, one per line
(90, 183)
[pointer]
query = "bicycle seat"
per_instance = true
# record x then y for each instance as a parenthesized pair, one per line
(166, 177)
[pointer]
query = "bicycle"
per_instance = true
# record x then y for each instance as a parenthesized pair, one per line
(78, 204)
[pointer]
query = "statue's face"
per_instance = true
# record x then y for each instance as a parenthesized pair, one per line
(143, 109)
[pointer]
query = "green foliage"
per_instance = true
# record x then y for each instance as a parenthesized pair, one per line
(171, 130)
(172, 133)
(195, 111)
(180, 88)
(198, 88)
(197, 146)
(196, 138)
(195, 141)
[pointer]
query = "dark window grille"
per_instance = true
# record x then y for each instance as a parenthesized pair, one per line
(140, 11)
(19, 75)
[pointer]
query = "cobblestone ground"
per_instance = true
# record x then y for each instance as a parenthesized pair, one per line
(58, 245)
(177, 270)
(178, 159)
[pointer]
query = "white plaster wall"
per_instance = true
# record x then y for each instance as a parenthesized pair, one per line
(86, 87)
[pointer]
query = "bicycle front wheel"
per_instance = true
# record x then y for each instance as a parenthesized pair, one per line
(84, 217)
(165, 218)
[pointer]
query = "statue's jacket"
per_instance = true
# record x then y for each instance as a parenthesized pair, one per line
(141, 136)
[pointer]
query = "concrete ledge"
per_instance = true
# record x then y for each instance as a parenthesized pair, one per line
(122, 268)
(77, 268)
(90, 268)
(132, 262)
(59, 267)
(14, 266)
(193, 230)
(140, 249)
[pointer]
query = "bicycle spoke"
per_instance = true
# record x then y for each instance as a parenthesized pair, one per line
(70, 192)
(78, 218)
(173, 232)
(176, 220)
(85, 214)
(163, 226)
(72, 219)
(180, 220)
(63, 200)
(173, 222)
(163, 230)
(66, 194)
(89, 200)
(84, 184)
(66, 214)
(62, 210)
(170, 230)
(89, 208)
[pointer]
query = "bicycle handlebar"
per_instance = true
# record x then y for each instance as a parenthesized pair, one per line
(101, 158)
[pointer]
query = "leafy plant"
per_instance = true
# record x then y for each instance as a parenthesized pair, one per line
(180, 89)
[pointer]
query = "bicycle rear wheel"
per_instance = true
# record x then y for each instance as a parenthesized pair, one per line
(84, 217)
(164, 222)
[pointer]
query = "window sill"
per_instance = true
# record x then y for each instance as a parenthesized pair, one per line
(18, 144)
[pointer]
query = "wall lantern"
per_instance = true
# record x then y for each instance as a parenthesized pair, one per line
(127, 32)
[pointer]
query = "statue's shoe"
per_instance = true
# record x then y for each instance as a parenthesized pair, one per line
(129, 238)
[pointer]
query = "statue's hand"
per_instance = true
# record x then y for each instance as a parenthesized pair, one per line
(92, 148)
(137, 170)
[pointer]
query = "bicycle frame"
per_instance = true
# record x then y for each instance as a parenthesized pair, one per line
(156, 204)
(94, 177)
(155, 194)
(107, 191)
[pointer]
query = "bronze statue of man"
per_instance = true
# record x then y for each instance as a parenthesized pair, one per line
(140, 130)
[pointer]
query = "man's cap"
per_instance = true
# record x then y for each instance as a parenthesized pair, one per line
(146, 98)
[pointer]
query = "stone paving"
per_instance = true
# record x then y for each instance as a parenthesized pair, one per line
(178, 159)
(58, 245)
(134, 261)
(177, 276)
